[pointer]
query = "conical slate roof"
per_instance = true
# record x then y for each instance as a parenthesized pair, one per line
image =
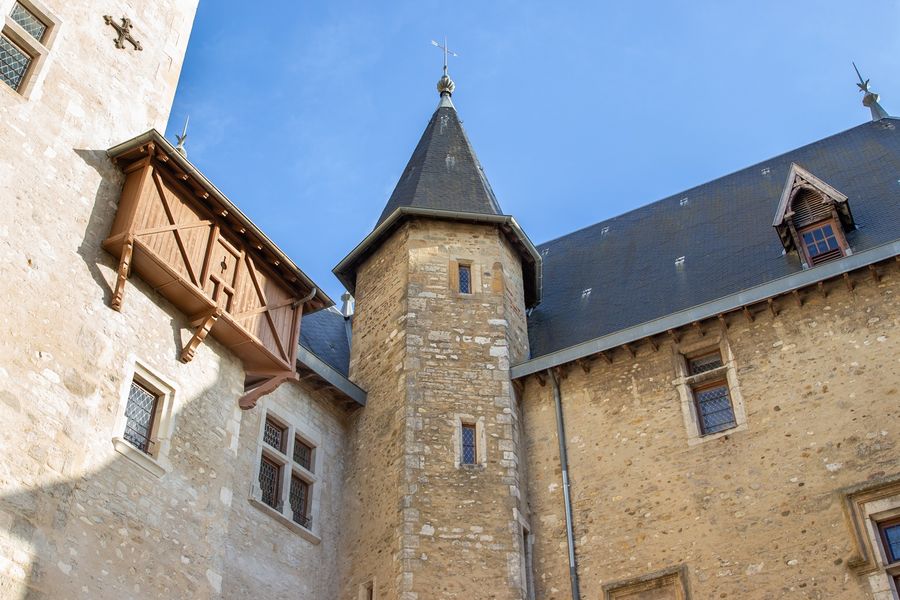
(443, 173)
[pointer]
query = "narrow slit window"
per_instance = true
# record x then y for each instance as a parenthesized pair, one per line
(28, 21)
(140, 413)
(469, 447)
(270, 481)
(465, 279)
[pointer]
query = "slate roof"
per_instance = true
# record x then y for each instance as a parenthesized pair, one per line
(443, 172)
(324, 333)
(724, 231)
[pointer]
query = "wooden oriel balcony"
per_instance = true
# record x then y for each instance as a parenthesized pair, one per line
(182, 236)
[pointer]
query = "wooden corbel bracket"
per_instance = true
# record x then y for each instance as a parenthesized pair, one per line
(252, 396)
(122, 273)
(204, 325)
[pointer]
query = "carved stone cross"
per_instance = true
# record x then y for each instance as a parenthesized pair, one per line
(124, 31)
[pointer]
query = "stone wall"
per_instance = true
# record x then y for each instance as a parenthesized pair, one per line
(429, 358)
(78, 519)
(753, 514)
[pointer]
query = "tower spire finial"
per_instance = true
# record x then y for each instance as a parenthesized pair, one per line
(445, 85)
(181, 138)
(870, 98)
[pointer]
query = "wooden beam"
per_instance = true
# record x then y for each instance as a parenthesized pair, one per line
(653, 344)
(122, 273)
(541, 379)
(630, 350)
(748, 314)
(696, 325)
(199, 336)
(674, 334)
(822, 290)
(874, 271)
(605, 357)
(771, 303)
(251, 397)
(584, 364)
(722, 321)
(849, 281)
(798, 298)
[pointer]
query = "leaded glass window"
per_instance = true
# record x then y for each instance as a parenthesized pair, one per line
(465, 279)
(29, 22)
(714, 408)
(273, 435)
(469, 449)
(299, 498)
(13, 63)
(139, 414)
(707, 362)
(269, 482)
(303, 454)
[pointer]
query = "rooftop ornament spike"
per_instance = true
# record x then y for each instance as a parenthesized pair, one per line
(870, 98)
(445, 85)
(181, 138)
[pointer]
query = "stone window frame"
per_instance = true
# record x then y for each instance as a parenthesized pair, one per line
(368, 590)
(684, 383)
(672, 577)
(527, 562)
(156, 460)
(480, 441)
(37, 50)
(289, 467)
(475, 280)
(867, 506)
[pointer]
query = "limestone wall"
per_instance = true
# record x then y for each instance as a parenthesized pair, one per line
(78, 519)
(755, 514)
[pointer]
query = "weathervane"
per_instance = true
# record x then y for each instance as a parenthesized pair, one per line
(181, 138)
(870, 98)
(445, 84)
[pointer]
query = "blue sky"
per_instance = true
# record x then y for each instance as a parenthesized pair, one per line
(305, 113)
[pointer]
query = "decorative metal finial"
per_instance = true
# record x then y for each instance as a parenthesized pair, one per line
(870, 98)
(445, 85)
(180, 149)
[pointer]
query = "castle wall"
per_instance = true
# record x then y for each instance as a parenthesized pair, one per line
(756, 513)
(79, 519)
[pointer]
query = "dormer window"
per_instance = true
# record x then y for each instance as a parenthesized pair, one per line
(812, 218)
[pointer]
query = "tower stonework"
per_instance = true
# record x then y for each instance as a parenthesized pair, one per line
(434, 359)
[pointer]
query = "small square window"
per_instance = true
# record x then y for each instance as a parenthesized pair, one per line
(274, 435)
(14, 63)
(140, 417)
(270, 481)
(465, 279)
(29, 21)
(469, 446)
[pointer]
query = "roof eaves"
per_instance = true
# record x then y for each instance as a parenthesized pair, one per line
(330, 375)
(343, 271)
(708, 310)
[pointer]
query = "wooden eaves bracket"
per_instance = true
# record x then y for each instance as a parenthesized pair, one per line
(252, 396)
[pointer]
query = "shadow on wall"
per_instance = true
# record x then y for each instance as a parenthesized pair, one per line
(116, 531)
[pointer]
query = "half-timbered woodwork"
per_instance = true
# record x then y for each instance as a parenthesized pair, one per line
(193, 246)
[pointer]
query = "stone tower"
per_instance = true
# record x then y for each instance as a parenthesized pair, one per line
(435, 467)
